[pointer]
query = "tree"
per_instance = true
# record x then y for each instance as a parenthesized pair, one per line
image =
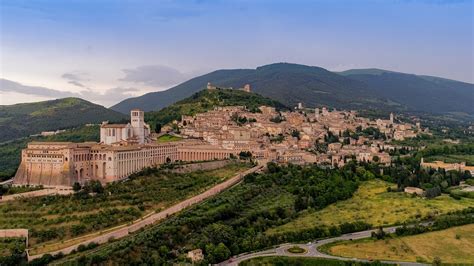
(94, 186)
(158, 128)
(76, 187)
(221, 253)
(295, 134)
(437, 261)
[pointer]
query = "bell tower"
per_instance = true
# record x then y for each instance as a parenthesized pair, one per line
(137, 120)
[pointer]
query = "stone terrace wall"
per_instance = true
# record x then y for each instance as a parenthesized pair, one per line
(13, 233)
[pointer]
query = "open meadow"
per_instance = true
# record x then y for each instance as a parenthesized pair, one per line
(453, 245)
(374, 205)
(58, 218)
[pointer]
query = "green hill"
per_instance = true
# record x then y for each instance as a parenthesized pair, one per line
(205, 100)
(418, 93)
(22, 120)
(315, 86)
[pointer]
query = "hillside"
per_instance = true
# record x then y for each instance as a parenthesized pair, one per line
(287, 83)
(315, 86)
(422, 93)
(22, 120)
(205, 100)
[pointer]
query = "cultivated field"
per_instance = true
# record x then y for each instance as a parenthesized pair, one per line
(373, 204)
(454, 245)
(58, 218)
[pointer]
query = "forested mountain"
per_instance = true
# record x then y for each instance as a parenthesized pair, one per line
(422, 93)
(287, 83)
(205, 100)
(21, 120)
(315, 86)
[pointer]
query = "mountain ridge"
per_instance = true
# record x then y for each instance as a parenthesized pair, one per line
(24, 119)
(315, 86)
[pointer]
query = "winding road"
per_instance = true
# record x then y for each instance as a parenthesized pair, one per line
(312, 250)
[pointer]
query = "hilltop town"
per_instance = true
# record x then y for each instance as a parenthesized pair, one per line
(320, 136)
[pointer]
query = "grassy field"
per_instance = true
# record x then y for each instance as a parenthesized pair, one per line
(167, 138)
(373, 204)
(267, 261)
(58, 218)
(454, 245)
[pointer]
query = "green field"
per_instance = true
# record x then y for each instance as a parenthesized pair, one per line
(168, 138)
(281, 261)
(454, 245)
(57, 218)
(373, 204)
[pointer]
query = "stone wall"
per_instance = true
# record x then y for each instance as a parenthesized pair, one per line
(13, 233)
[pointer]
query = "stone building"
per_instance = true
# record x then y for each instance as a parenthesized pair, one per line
(135, 131)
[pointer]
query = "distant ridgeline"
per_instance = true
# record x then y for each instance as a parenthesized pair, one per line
(360, 89)
(205, 100)
(25, 119)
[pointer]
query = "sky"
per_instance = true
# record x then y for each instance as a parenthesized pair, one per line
(106, 51)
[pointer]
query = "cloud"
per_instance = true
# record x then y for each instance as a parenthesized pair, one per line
(154, 75)
(11, 86)
(112, 95)
(76, 78)
(109, 96)
(72, 76)
(76, 83)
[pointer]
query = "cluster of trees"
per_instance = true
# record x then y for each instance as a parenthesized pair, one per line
(234, 222)
(277, 119)
(407, 172)
(241, 120)
(295, 134)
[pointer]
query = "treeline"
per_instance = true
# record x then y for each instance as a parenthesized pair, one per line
(456, 218)
(406, 172)
(458, 149)
(236, 220)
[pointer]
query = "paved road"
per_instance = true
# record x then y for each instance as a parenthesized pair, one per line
(312, 250)
(124, 231)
